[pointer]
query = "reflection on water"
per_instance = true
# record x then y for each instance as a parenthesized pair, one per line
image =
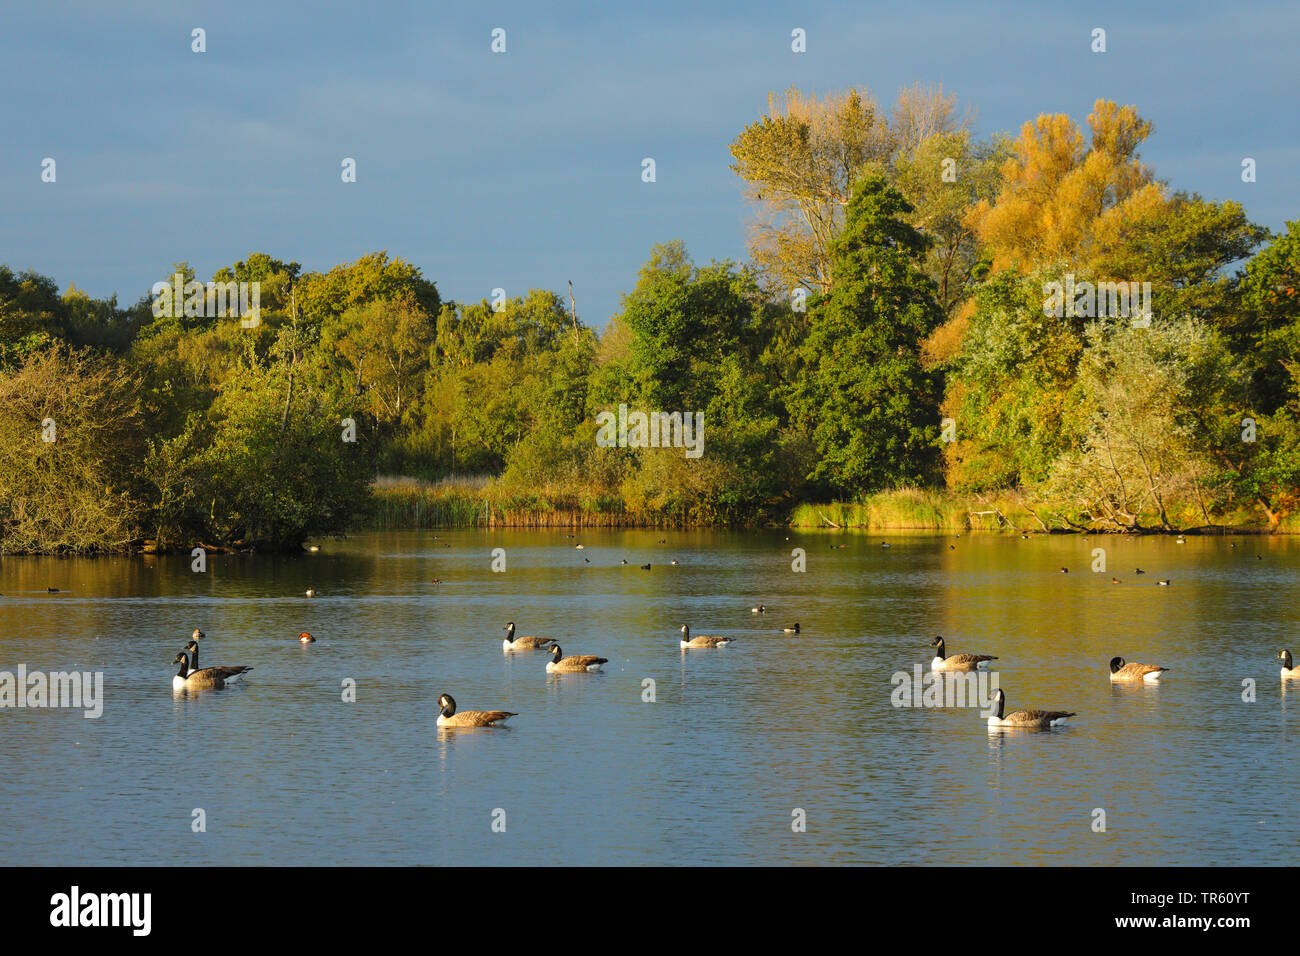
(736, 739)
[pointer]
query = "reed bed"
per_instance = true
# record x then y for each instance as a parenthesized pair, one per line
(484, 502)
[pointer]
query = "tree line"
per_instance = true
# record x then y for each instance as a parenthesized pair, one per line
(888, 330)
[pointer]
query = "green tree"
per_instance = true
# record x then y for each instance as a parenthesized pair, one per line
(71, 437)
(865, 397)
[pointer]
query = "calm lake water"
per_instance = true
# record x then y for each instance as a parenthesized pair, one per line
(711, 772)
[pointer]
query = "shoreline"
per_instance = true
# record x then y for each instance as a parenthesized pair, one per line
(483, 506)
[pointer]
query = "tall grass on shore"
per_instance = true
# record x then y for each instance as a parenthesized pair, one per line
(483, 502)
(470, 502)
(923, 509)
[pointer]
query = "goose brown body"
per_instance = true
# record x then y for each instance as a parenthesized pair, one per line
(525, 642)
(578, 663)
(208, 677)
(448, 716)
(956, 662)
(702, 640)
(1121, 670)
(225, 673)
(1029, 719)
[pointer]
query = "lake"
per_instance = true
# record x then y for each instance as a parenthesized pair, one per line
(735, 742)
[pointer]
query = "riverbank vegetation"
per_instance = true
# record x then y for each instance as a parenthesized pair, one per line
(885, 348)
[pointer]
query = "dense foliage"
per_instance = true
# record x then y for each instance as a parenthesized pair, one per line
(889, 332)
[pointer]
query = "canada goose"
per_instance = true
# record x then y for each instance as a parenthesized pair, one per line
(645, 567)
(305, 638)
(1026, 718)
(1119, 670)
(758, 610)
(958, 662)
(525, 642)
(208, 677)
(447, 716)
(197, 635)
(703, 640)
(792, 629)
(311, 592)
(1288, 671)
(572, 665)
(227, 674)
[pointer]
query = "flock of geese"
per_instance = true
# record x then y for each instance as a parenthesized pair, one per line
(191, 676)
(1121, 671)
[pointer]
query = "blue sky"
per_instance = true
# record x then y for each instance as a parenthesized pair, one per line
(523, 170)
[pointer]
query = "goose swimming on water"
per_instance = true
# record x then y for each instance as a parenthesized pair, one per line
(227, 674)
(576, 664)
(702, 640)
(525, 642)
(957, 662)
(1026, 718)
(448, 716)
(1288, 669)
(1121, 670)
(214, 677)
